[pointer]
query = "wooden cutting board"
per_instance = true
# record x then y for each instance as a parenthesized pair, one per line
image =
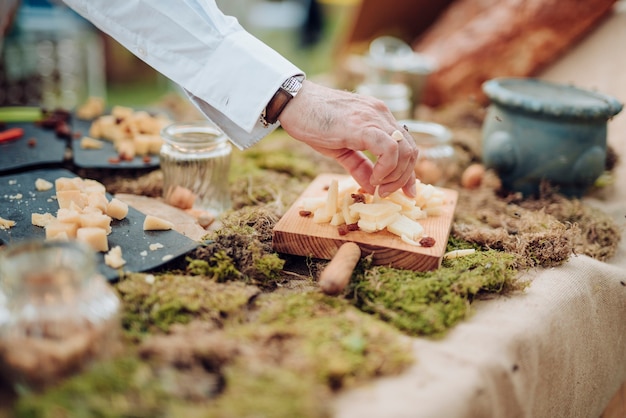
(299, 235)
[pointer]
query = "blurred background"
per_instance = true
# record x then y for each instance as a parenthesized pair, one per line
(54, 58)
(407, 53)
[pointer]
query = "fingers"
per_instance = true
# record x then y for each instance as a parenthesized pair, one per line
(359, 166)
(394, 168)
(343, 126)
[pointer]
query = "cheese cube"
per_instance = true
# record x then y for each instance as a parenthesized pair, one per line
(56, 228)
(96, 238)
(88, 142)
(142, 144)
(41, 219)
(96, 220)
(42, 185)
(68, 183)
(97, 200)
(114, 258)
(68, 216)
(155, 144)
(117, 209)
(65, 197)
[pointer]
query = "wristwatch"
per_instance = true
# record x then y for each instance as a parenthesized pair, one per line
(287, 91)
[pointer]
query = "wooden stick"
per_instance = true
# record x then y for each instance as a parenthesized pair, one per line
(336, 276)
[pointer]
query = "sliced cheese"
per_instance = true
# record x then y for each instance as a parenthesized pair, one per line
(373, 212)
(348, 217)
(337, 219)
(404, 226)
(331, 198)
(311, 204)
(321, 216)
(154, 223)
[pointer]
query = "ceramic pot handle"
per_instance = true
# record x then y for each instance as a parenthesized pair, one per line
(499, 152)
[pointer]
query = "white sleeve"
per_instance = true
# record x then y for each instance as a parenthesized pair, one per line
(229, 74)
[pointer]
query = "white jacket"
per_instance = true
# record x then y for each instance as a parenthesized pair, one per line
(229, 74)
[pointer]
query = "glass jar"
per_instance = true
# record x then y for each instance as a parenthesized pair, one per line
(396, 96)
(195, 160)
(59, 314)
(436, 162)
(391, 60)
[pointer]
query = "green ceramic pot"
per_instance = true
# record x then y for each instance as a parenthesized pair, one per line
(537, 131)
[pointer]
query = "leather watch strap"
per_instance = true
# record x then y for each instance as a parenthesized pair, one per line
(287, 91)
(276, 106)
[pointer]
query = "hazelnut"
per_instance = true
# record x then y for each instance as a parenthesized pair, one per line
(428, 172)
(473, 175)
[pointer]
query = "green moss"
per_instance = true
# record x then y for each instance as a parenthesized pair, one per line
(430, 303)
(244, 243)
(218, 267)
(121, 388)
(283, 356)
(270, 266)
(327, 337)
(172, 299)
(261, 390)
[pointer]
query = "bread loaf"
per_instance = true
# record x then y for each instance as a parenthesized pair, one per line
(476, 40)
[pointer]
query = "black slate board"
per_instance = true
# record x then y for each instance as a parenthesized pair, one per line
(100, 158)
(127, 233)
(16, 154)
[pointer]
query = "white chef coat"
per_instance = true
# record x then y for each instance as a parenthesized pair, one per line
(229, 74)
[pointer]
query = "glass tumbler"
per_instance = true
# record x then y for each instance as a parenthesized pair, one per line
(437, 161)
(59, 314)
(195, 160)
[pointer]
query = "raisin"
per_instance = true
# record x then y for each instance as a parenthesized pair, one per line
(353, 227)
(358, 197)
(427, 242)
(305, 213)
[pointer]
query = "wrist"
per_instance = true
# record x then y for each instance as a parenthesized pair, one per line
(287, 91)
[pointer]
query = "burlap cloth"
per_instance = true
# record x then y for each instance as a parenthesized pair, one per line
(558, 349)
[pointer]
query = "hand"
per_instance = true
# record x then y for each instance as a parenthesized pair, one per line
(342, 125)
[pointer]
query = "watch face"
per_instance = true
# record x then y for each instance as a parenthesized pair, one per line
(292, 85)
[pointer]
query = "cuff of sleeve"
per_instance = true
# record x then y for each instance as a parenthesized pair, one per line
(241, 89)
(241, 138)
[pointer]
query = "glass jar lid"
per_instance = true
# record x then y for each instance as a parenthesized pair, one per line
(199, 136)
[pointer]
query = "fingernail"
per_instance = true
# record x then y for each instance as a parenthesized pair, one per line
(413, 190)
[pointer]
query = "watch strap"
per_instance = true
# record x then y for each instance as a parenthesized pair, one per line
(279, 101)
(275, 106)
